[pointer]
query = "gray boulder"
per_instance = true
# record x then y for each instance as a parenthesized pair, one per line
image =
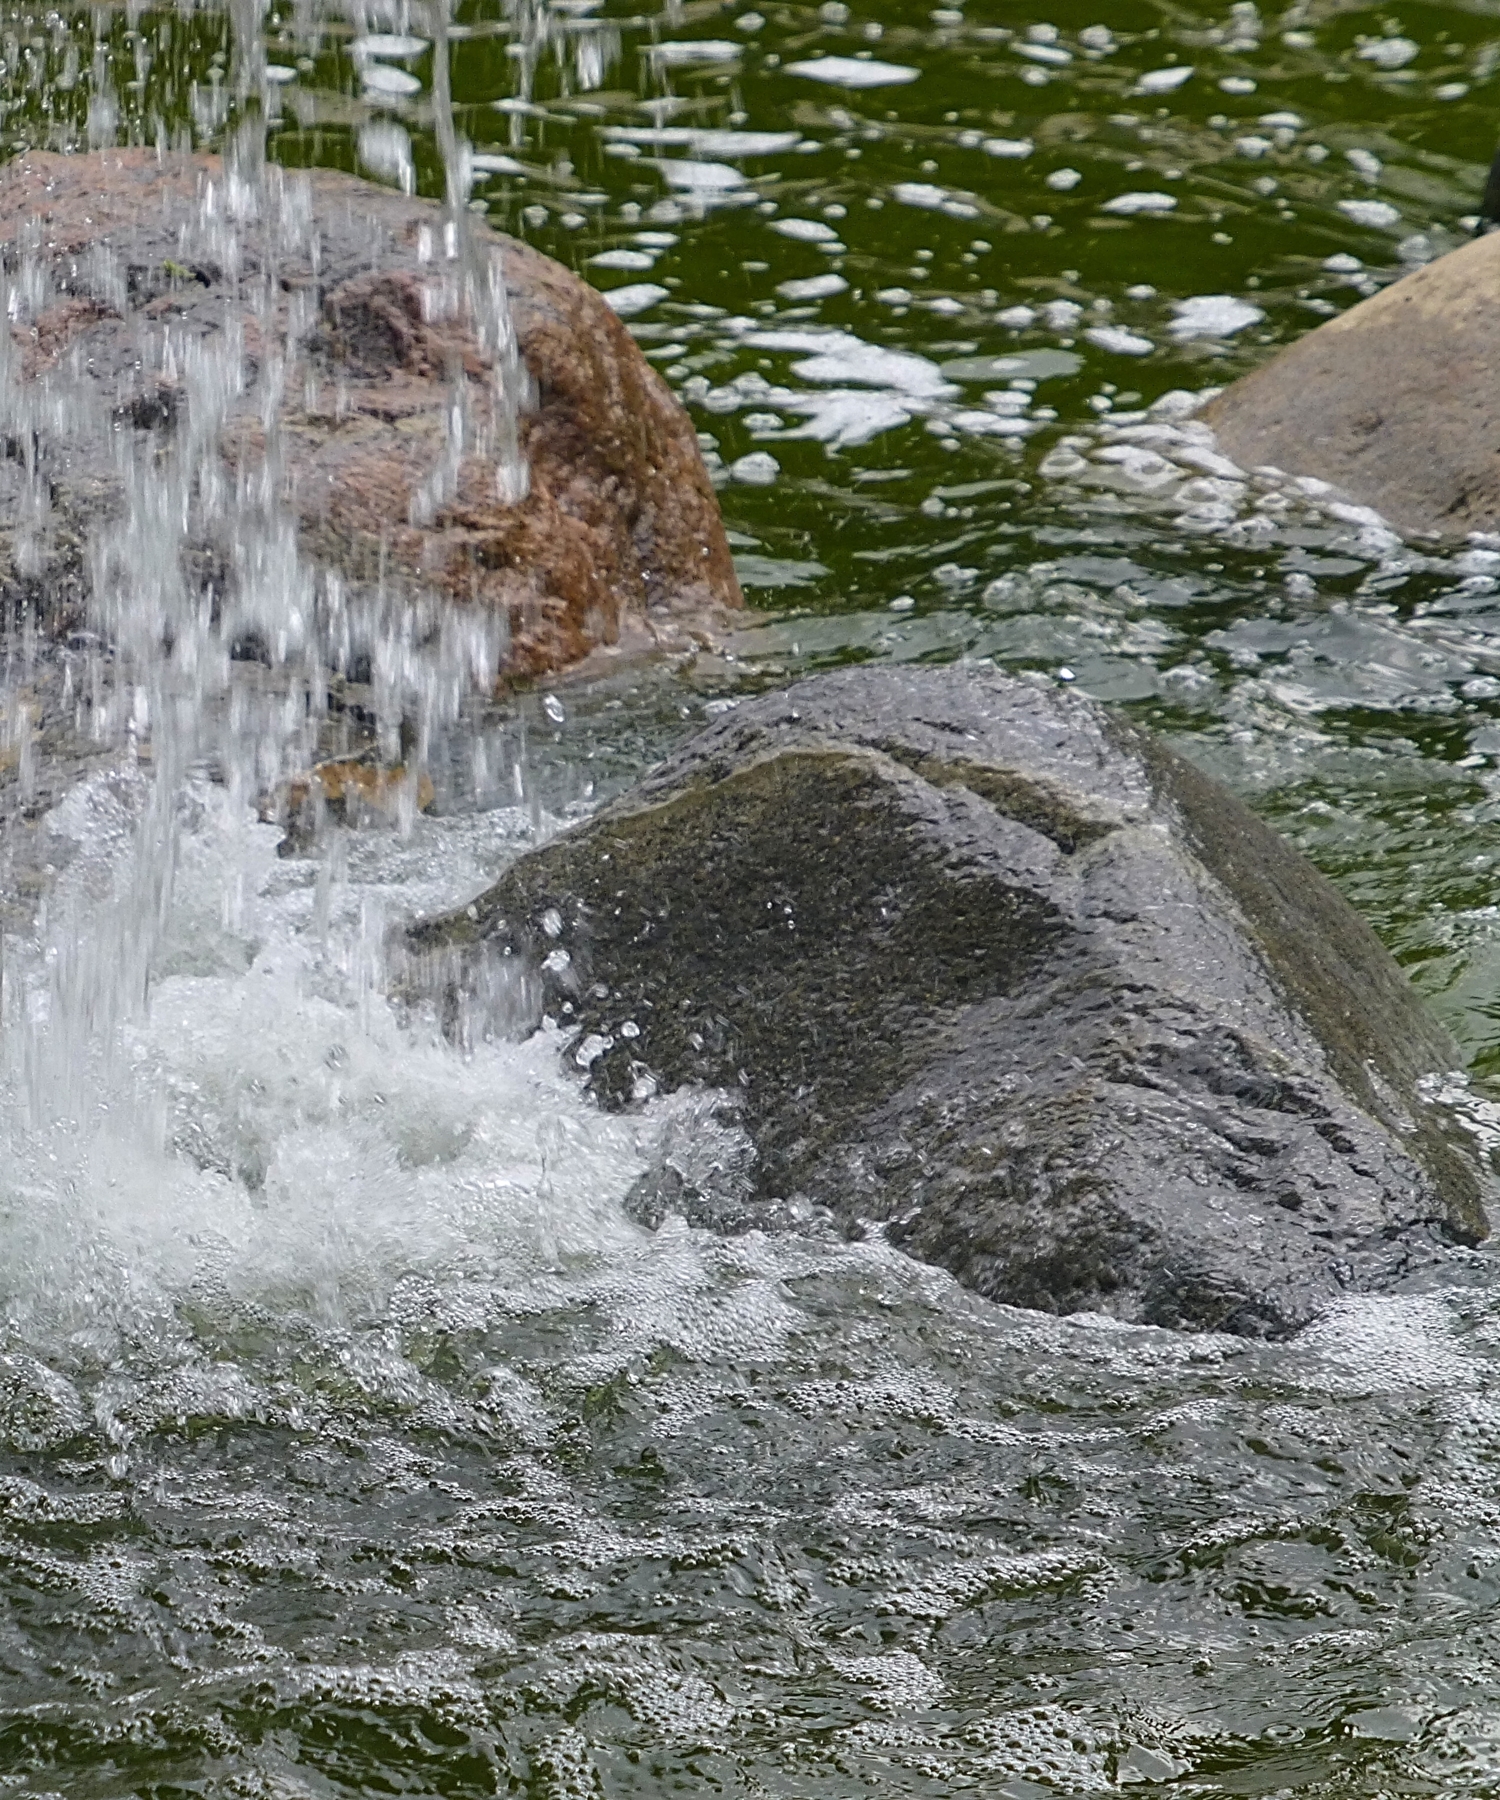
(978, 962)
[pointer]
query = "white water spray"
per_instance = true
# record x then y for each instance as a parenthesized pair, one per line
(202, 1084)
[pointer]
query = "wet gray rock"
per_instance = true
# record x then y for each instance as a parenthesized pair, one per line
(978, 962)
(1393, 401)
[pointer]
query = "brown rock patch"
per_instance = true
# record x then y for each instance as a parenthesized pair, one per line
(619, 537)
(1397, 401)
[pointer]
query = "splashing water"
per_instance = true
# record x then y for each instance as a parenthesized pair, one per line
(120, 1191)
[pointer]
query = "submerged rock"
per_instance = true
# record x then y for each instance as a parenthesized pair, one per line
(1390, 402)
(122, 264)
(976, 961)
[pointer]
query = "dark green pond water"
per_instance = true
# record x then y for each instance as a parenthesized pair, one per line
(421, 1471)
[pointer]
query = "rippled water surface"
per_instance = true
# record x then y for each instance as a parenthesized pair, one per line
(352, 1439)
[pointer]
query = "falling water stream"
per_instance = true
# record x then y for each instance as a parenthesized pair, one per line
(352, 1437)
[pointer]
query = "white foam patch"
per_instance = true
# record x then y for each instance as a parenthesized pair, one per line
(1053, 55)
(1373, 1344)
(1129, 205)
(1213, 315)
(854, 72)
(684, 53)
(840, 356)
(1388, 52)
(919, 193)
(487, 162)
(707, 143)
(1119, 340)
(700, 177)
(813, 287)
(278, 1132)
(382, 44)
(1379, 215)
(638, 297)
(805, 231)
(378, 78)
(846, 417)
(1163, 81)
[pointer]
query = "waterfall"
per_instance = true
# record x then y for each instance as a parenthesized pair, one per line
(195, 680)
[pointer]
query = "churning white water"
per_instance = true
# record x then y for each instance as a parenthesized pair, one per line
(267, 1125)
(202, 1081)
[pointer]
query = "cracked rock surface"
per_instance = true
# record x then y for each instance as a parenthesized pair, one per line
(977, 962)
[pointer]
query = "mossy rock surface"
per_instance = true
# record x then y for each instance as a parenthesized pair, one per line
(977, 962)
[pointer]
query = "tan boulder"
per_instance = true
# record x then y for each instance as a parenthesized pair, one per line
(619, 537)
(1397, 401)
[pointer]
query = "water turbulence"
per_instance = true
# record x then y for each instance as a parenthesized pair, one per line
(195, 1038)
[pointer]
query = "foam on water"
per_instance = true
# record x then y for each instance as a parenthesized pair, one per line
(342, 1395)
(275, 1131)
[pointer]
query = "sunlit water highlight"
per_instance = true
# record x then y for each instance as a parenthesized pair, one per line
(352, 1437)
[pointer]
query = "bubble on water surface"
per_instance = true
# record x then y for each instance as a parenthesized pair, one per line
(636, 297)
(623, 259)
(813, 287)
(701, 178)
(380, 79)
(919, 193)
(685, 52)
(805, 231)
(1131, 204)
(1381, 1344)
(1163, 81)
(704, 142)
(757, 469)
(1379, 215)
(39, 1408)
(378, 44)
(1388, 52)
(1213, 315)
(844, 71)
(1119, 340)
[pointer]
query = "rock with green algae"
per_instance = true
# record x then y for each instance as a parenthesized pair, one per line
(977, 962)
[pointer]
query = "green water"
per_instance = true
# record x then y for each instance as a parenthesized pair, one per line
(422, 1471)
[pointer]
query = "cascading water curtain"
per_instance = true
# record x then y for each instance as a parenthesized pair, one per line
(203, 663)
